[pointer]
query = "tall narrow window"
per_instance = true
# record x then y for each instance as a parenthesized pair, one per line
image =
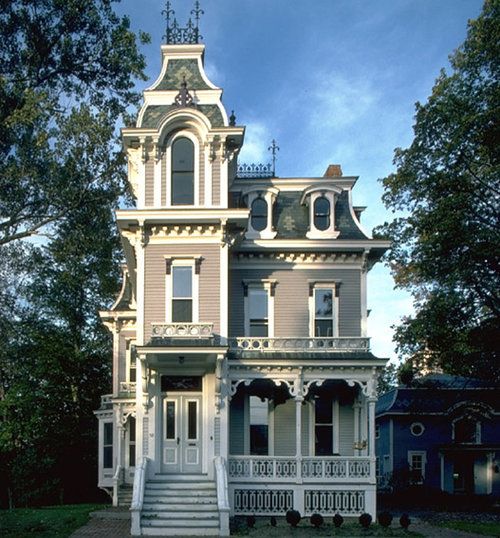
(132, 371)
(259, 214)
(182, 172)
(322, 213)
(323, 312)
(323, 434)
(107, 445)
(259, 426)
(131, 442)
(182, 293)
(258, 312)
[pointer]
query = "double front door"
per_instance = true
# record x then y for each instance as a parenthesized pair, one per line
(182, 436)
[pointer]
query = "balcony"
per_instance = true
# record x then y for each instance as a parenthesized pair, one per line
(182, 330)
(127, 389)
(294, 345)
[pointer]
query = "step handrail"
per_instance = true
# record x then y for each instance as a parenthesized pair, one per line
(116, 484)
(222, 494)
(138, 496)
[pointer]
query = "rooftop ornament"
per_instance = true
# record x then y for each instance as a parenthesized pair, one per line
(184, 98)
(175, 35)
(256, 171)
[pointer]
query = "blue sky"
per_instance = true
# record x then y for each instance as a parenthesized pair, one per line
(333, 81)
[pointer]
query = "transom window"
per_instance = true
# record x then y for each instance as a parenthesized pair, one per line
(182, 293)
(258, 311)
(259, 214)
(182, 172)
(324, 312)
(322, 213)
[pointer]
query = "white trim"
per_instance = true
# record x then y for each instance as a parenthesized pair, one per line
(354, 218)
(207, 202)
(128, 360)
(309, 197)
(157, 186)
(363, 303)
(196, 143)
(269, 195)
(141, 179)
(259, 285)
(224, 173)
(423, 454)
(336, 426)
(335, 307)
(139, 250)
(127, 443)
(417, 424)
(224, 291)
(195, 283)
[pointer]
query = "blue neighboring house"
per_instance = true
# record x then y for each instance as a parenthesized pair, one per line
(441, 433)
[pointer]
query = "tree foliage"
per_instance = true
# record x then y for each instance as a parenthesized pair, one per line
(447, 186)
(66, 66)
(67, 75)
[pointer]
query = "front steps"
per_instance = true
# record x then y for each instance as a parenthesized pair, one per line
(180, 506)
(125, 495)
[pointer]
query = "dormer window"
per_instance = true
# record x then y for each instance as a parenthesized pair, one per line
(258, 214)
(322, 213)
(260, 202)
(321, 201)
(182, 172)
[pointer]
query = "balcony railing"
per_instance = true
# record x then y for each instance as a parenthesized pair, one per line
(182, 330)
(127, 387)
(300, 344)
(307, 469)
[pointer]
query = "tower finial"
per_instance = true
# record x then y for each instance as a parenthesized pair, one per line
(176, 35)
(273, 148)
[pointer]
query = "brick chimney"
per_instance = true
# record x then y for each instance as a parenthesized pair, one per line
(333, 170)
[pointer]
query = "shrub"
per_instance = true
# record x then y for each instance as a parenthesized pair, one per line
(338, 520)
(250, 522)
(317, 520)
(293, 517)
(405, 521)
(273, 521)
(365, 520)
(385, 519)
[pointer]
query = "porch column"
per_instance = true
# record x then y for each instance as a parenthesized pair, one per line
(371, 426)
(298, 435)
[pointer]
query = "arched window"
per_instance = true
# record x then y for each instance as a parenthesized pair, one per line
(259, 214)
(182, 172)
(465, 430)
(321, 213)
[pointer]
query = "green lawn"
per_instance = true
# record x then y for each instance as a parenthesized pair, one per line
(49, 522)
(263, 529)
(488, 528)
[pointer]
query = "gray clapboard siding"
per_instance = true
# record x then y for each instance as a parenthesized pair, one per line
(284, 429)
(237, 425)
(346, 430)
(291, 301)
(149, 186)
(209, 283)
(216, 182)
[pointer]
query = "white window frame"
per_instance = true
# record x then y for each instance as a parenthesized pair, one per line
(103, 446)
(423, 454)
(335, 427)
(309, 196)
(128, 360)
(335, 306)
(267, 285)
(269, 195)
(195, 284)
(417, 424)
(196, 143)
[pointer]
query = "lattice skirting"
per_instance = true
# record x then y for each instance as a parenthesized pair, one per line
(331, 502)
(305, 499)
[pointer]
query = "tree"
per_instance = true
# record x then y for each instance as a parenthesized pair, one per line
(388, 379)
(67, 74)
(447, 186)
(66, 67)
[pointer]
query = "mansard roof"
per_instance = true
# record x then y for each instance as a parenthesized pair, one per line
(439, 394)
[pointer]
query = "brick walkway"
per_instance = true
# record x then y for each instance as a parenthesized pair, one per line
(115, 523)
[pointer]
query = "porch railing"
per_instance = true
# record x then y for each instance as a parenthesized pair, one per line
(222, 495)
(127, 387)
(306, 469)
(182, 330)
(300, 344)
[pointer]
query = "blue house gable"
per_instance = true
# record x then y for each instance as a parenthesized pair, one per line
(442, 433)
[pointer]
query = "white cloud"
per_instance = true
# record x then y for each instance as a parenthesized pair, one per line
(257, 140)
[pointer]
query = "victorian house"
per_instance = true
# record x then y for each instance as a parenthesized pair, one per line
(243, 381)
